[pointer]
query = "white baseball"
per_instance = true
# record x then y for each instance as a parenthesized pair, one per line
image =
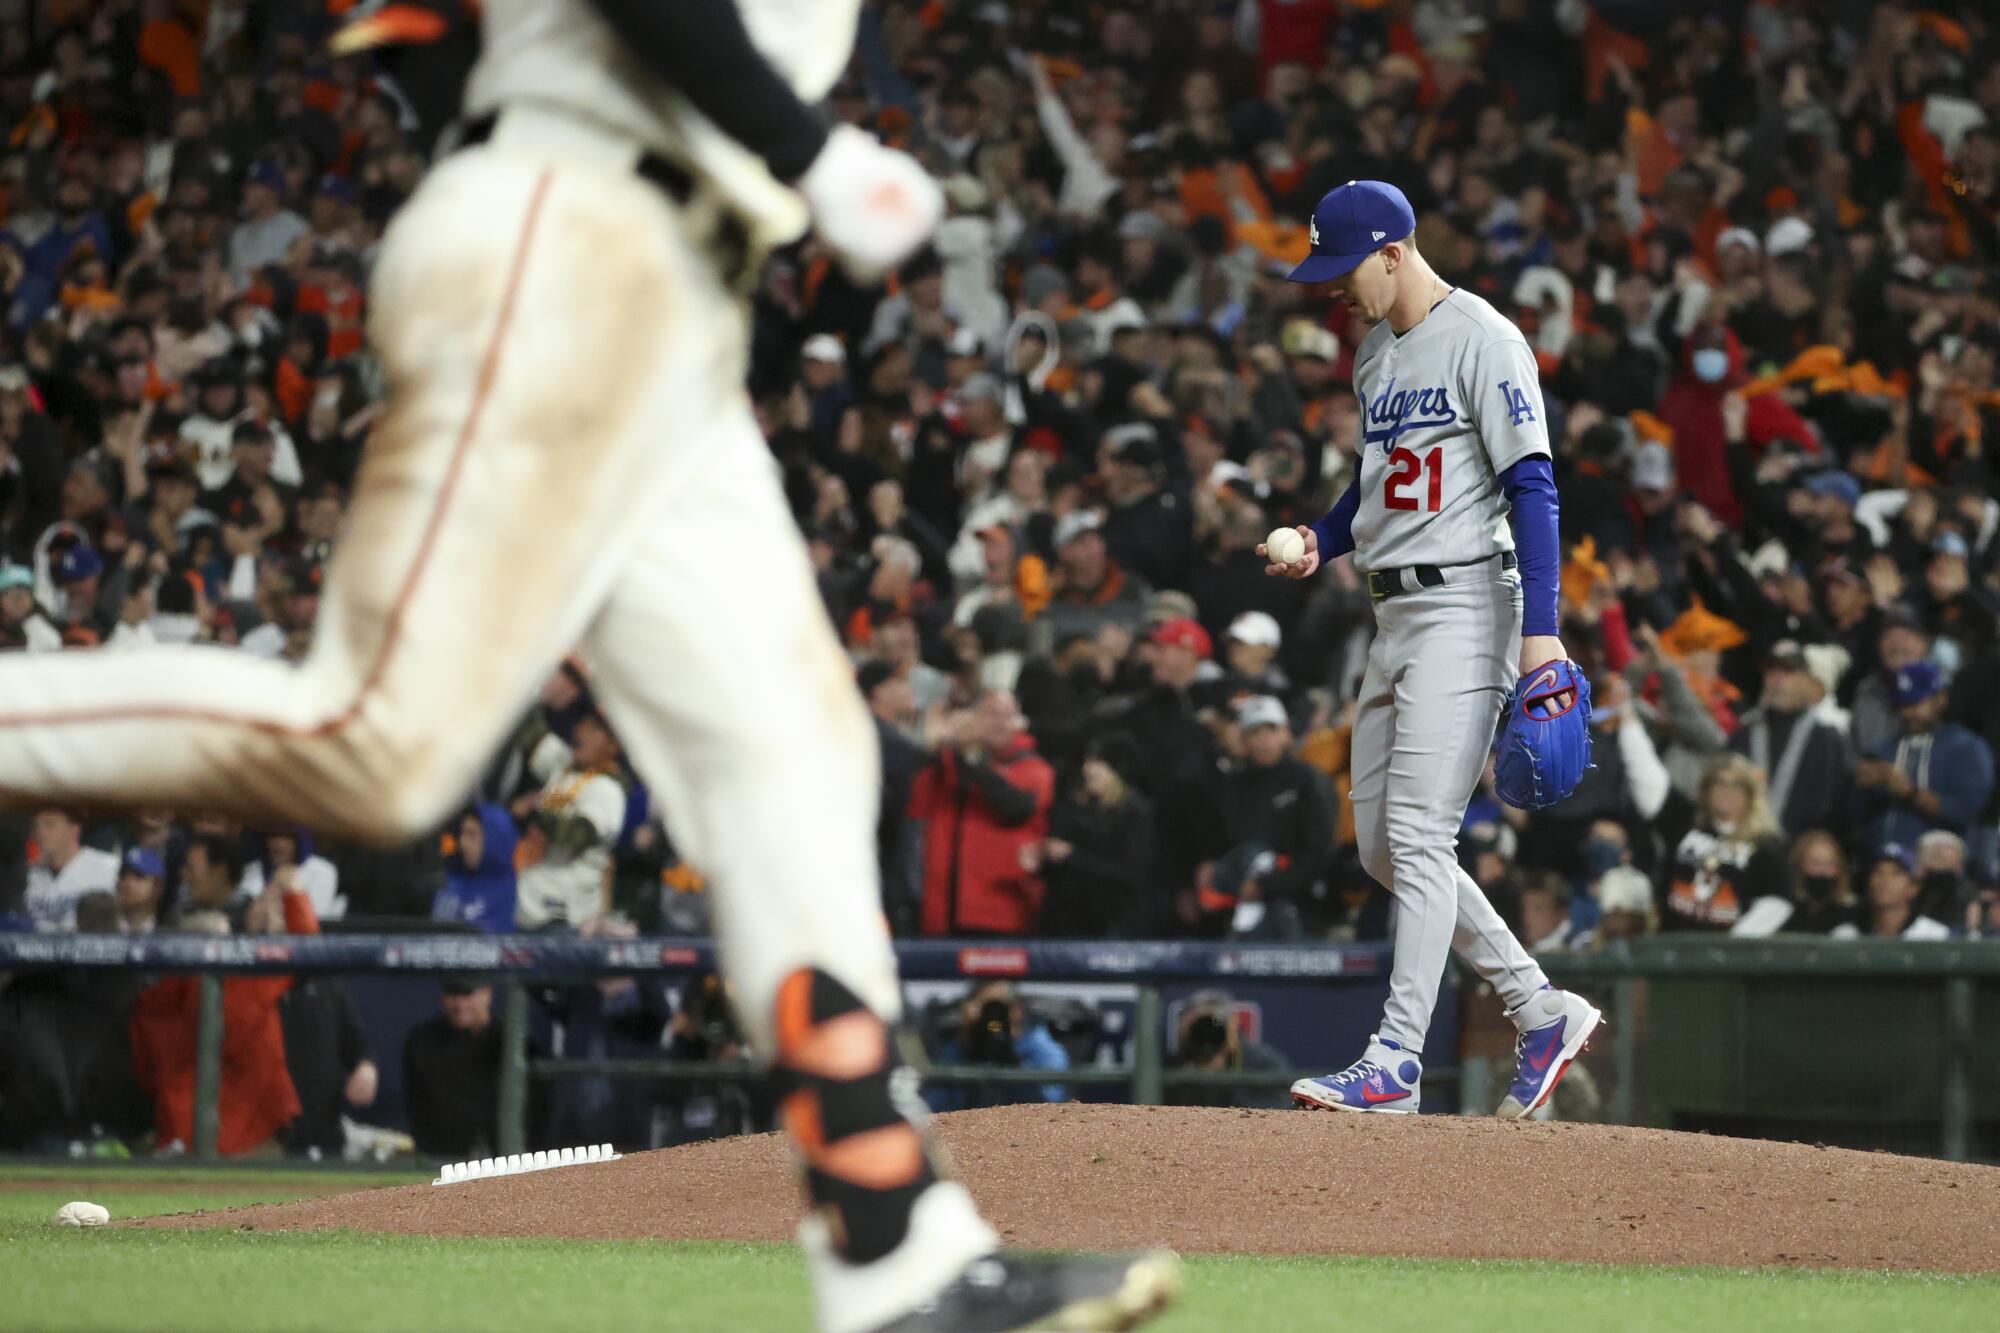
(1285, 546)
(83, 1215)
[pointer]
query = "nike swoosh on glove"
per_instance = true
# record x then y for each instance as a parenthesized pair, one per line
(872, 204)
(1544, 746)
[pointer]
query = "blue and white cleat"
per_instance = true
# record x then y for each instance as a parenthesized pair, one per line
(1384, 1079)
(1555, 1026)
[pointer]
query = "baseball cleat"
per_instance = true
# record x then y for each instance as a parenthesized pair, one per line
(1555, 1027)
(1384, 1079)
(1080, 1293)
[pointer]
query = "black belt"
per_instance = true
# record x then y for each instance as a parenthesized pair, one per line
(1394, 582)
(729, 241)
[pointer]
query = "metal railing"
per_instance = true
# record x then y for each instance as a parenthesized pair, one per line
(513, 963)
(1957, 969)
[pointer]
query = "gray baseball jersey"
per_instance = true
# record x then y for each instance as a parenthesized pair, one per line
(1445, 409)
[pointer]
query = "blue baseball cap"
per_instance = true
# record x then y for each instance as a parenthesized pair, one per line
(334, 187)
(1350, 223)
(77, 564)
(1835, 484)
(146, 861)
(1897, 852)
(1950, 543)
(1915, 683)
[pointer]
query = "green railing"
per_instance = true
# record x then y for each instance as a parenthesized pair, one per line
(1771, 1036)
(1801, 1030)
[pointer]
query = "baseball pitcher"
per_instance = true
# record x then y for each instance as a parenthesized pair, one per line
(568, 455)
(1452, 521)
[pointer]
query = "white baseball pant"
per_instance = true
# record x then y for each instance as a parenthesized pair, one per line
(567, 455)
(1439, 671)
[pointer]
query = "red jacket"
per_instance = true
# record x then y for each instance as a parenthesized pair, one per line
(977, 820)
(257, 1096)
(1693, 409)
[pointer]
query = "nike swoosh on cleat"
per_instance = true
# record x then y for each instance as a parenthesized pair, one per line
(1370, 1096)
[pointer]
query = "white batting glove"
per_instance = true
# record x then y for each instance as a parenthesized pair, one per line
(872, 204)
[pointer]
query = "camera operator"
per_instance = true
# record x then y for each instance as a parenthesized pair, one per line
(994, 1029)
(704, 1028)
(1211, 1039)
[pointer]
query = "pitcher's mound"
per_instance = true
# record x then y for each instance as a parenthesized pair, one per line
(1277, 1182)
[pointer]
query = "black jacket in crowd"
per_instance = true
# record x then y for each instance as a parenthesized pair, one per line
(324, 1042)
(451, 1082)
(1227, 584)
(1152, 538)
(902, 867)
(1289, 807)
(1812, 792)
(1174, 747)
(1101, 891)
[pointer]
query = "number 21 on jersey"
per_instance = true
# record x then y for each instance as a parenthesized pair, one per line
(1400, 486)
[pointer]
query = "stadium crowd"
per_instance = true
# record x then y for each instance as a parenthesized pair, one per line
(1755, 247)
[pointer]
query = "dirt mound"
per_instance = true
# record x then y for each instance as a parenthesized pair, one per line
(1278, 1182)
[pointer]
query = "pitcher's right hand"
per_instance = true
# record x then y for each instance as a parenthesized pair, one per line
(1302, 568)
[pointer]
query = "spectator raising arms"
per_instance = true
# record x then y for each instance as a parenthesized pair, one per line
(984, 801)
(565, 851)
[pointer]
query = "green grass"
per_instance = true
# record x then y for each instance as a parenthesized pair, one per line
(271, 1180)
(30, 1195)
(60, 1279)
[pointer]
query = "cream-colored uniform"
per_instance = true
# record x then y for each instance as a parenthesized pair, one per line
(568, 456)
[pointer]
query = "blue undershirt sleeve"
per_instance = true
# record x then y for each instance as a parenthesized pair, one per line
(1336, 530)
(1531, 489)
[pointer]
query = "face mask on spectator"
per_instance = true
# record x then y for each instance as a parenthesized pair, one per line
(1941, 887)
(1819, 887)
(1599, 855)
(1710, 364)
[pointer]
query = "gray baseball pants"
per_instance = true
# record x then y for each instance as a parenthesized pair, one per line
(1439, 672)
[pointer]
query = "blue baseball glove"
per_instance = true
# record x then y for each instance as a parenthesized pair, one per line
(1545, 742)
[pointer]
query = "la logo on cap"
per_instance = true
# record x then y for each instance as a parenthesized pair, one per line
(1312, 230)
